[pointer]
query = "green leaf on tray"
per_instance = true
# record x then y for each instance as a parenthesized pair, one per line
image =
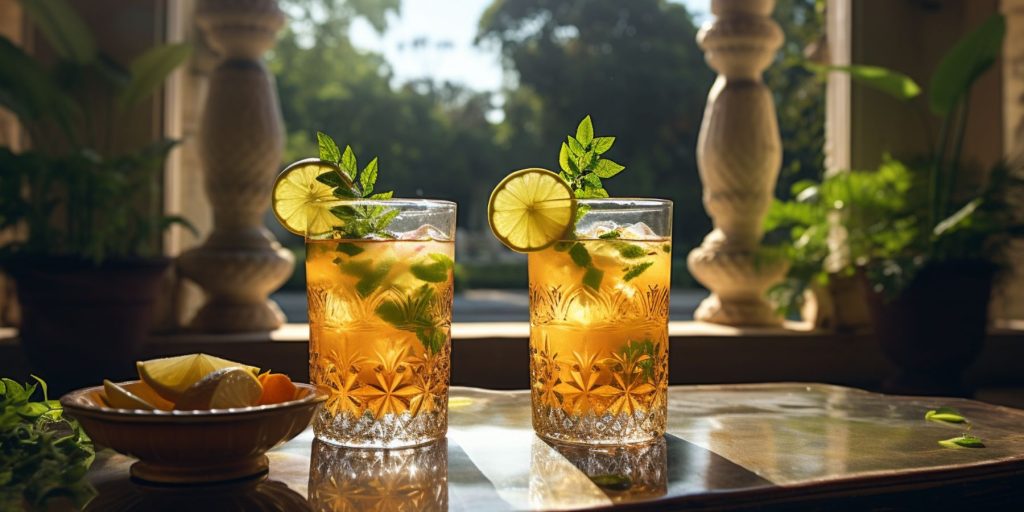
(945, 415)
(964, 441)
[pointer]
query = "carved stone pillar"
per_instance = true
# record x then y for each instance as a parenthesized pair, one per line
(739, 154)
(241, 141)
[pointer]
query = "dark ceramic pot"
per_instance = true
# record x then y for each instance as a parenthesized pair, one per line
(935, 328)
(82, 323)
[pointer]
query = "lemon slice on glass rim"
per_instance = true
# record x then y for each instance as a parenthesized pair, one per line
(298, 197)
(531, 209)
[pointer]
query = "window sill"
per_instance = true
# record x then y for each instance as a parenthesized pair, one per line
(495, 355)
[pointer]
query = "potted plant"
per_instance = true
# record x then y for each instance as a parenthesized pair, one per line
(87, 262)
(925, 248)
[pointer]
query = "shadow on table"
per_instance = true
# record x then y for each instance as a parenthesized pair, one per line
(254, 494)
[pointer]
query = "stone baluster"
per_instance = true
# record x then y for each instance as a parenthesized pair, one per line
(739, 154)
(1009, 296)
(240, 144)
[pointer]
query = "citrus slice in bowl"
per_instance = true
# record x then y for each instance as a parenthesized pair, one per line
(298, 196)
(222, 389)
(121, 398)
(170, 377)
(531, 209)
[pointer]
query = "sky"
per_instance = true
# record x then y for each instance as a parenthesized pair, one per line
(426, 40)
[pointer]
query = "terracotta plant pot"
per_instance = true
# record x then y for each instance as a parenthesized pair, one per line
(82, 323)
(935, 328)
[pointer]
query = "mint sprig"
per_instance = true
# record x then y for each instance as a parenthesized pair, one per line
(45, 455)
(582, 165)
(350, 183)
(414, 312)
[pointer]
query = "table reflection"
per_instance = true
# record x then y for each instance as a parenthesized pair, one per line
(413, 479)
(254, 494)
(622, 473)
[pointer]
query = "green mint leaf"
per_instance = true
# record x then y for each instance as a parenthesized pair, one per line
(349, 249)
(606, 168)
(593, 278)
(585, 131)
(331, 179)
(391, 312)
(383, 221)
(965, 441)
(328, 148)
(611, 235)
(634, 271)
(382, 195)
(576, 149)
(344, 192)
(368, 177)
(579, 254)
(563, 159)
(603, 144)
(433, 339)
(641, 353)
(630, 251)
(562, 246)
(945, 415)
(348, 164)
(592, 180)
(370, 282)
(443, 259)
(588, 192)
(667, 248)
(359, 269)
(581, 211)
(435, 271)
(612, 482)
(565, 176)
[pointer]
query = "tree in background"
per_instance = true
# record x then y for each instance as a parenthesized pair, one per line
(634, 66)
(433, 139)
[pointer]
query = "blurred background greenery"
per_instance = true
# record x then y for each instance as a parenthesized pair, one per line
(634, 66)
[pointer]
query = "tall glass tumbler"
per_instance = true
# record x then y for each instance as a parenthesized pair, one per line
(380, 309)
(599, 325)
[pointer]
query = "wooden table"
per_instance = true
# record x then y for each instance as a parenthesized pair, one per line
(798, 446)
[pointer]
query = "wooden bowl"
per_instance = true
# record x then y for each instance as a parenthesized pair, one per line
(193, 446)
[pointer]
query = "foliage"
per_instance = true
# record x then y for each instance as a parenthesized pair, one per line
(634, 65)
(76, 195)
(898, 218)
(43, 455)
(351, 183)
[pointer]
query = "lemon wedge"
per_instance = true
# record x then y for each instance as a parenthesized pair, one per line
(298, 197)
(222, 389)
(531, 209)
(120, 398)
(171, 376)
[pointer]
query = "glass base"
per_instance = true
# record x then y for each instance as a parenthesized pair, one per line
(389, 431)
(640, 427)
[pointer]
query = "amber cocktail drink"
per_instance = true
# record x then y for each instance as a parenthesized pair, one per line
(380, 319)
(599, 325)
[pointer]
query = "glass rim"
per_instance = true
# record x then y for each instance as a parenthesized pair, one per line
(394, 201)
(626, 204)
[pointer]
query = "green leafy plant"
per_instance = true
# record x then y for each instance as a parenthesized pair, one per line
(43, 455)
(415, 313)
(76, 194)
(900, 217)
(350, 183)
